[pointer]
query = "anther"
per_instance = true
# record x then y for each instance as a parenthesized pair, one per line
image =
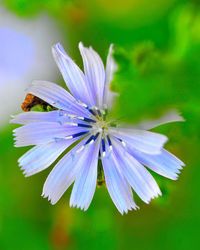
(109, 142)
(91, 139)
(98, 111)
(71, 136)
(80, 118)
(84, 125)
(91, 111)
(86, 119)
(79, 134)
(122, 142)
(87, 107)
(103, 147)
(95, 137)
(76, 124)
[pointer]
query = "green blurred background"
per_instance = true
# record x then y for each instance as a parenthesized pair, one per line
(157, 48)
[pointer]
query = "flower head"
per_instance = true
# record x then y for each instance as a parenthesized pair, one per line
(81, 116)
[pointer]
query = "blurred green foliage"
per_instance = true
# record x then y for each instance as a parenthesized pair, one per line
(151, 81)
(26, 8)
(157, 48)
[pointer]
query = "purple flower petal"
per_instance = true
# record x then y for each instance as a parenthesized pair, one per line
(57, 116)
(164, 163)
(117, 185)
(34, 116)
(137, 176)
(94, 72)
(141, 140)
(56, 96)
(85, 183)
(64, 173)
(42, 156)
(44, 132)
(72, 74)
(111, 67)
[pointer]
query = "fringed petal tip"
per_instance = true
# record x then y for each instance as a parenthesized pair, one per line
(12, 119)
(149, 200)
(122, 212)
(80, 45)
(49, 198)
(125, 211)
(25, 172)
(84, 208)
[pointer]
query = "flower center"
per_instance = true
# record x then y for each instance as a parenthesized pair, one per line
(94, 125)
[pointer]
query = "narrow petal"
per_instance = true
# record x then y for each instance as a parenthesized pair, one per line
(34, 116)
(165, 163)
(171, 116)
(57, 116)
(72, 74)
(56, 96)
(136, 174)
(44, 132)
(145, 141)
(95, 73)
(42, 156)
(85, 184)
(111, 67)
(117, 186)
(64, 173)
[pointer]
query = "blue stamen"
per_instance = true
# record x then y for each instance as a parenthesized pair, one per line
(88, 120)
(84, 125)
(109, 140)
(79, 134)
(103, 145)
(91, 111)
(95, 137)
(119, 139)
(89, 140)
(122, 142)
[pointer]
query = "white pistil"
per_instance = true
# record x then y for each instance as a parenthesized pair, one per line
(68, 137)
(80, 149)
(70, 123)
(75, 117)
(80, 117)
(91, 142)
(123, 143)
(82, 104)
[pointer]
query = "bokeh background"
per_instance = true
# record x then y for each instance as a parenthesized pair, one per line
(157, 48)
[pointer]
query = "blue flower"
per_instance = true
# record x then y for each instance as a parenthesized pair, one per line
(81, 116)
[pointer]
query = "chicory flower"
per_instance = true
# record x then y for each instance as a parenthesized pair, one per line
(81, 116)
